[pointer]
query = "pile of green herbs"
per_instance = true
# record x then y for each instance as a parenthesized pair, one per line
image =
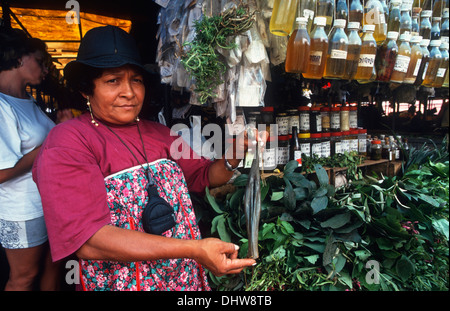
(201, 59)
(385, 233)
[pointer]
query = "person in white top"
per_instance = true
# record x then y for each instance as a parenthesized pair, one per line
(23, 128)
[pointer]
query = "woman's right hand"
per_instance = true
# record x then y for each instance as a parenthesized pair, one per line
(220, 257)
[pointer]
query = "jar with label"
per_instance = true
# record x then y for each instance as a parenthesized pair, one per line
(353, 117)
(403, 59)
(326, 145)
(386, 56)
(367, 55)
(325, 113)
(353, 141)
(405, 19)
(316, 145)
(318, 50)
(293, 119)
(374, 15)
(336, 143)
(305, 143)
(295, 152)
(283, 17)
(344, 118)
(414, 63)
(337, 51)
(298, 48)
(269, 156)
(353, 51)
(304, 119)
(362, 142)
(386, 150)
(425, 25)
(282, 120)
(307, 10)
(435, 28)
(283, 151)
(424, 64)
(375, 150)
(335, 119)
(394, 16)
(443, 67)
(345, 139)
(355, 13)
(315, 120)
(433, 64)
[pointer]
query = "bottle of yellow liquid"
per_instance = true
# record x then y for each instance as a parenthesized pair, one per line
(367, 55)
(298, 48)
(416, 60)
(374, 15)
(353, 51)
(308, 10)
(318, 50)
(337, 51)
(443, 67)
(283, 17)
(434, 63)
(403, 59)
(424, 64)
(394, 16)
(325, 8)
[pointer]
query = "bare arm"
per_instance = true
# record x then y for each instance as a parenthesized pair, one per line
(113, 243)
(21, 167)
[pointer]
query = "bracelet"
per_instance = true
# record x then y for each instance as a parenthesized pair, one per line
(229, 167)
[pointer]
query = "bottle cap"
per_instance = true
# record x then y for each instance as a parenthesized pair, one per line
(393, 35)
(369, 28)
(425, 42)
(301, 20)
(353, 25)
(405, 37)
(444, 46)
(426, 13)
(416, 39)
(435, 43)
(340, 23)
(320, 21)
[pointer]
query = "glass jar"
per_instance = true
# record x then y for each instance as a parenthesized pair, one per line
(304, 140)
(403, 59)
(283, 17)
(394, 16)
(353, 138)
(325, 113)
(355, 13)
(344, 118)
(318, 50)
(405, 19)
(326, 145)
(298, 48)
(335, 119)
(345, 139)
(424, 63)
(386, 56)
(367, 54)
(375, 150)
(353, 51)
(295, 153)
(362, 142)
(304, 119)
(336, 143)
(416, 59)
(337, 51)
(283, 151)
(443, 67)
(315, 120)
(293, 119)
(425, 25)
(435, 28)
(353, 117)
(374, 15)
(325, 9)
(269, 156)
(433, 64)
(282, 120)
(316, 145)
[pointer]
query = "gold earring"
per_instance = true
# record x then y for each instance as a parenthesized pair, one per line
(90, 111)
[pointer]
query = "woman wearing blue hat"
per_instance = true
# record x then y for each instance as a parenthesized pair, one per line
(112, 192)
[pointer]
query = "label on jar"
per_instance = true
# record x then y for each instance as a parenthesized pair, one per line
(270, 158)
(293, 121)
(366, 60)
(282, 155)
(425, 71)
(306, 149)
(402, 63)
(353, 119)
(315, 58)
(318, 123)
(298, 157)
(441, 72)
(416, 69)
(283, 124)
(362, 148)
(316, 149)
(354, 144)
(335, 121)
(338, 54)
(304, 122)
(345, 145)
(326, 149)
(338, 147)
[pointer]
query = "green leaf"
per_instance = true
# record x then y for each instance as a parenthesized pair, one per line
(322, 175)
(289, 197)
(223, 232)
(212, 201)
(319, 204)
(312, 259)
(241, 180)
(290, 166)
(277, 195)
(404, 268)
(441, 226)
(336, 221)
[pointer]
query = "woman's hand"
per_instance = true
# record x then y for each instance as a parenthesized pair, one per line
(220, 257)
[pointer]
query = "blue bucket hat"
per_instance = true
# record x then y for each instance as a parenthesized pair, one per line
(105, 47)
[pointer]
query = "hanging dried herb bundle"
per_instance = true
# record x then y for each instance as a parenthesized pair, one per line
(202, 61)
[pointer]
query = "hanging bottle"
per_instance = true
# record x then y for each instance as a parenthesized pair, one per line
(445, 26)
(367, 55)
(425, 25)
(318, 50)
(405, 19)
(386, 15)
(355, 12)
(374, 15)
(283, 17)
(438, 8)
(353, 51)
(427, 5)
(416, 7)
(386, 56)
(446, 80)
(298, 48)
(337, 51)
(295, 152)
(403, 59)
(308, 10)
(415, 25)
(443, 67)
(424, 64)
(394, 16)
(341, 10)
(435, 29)
(416, 60)
(325, 8)
(433, 65)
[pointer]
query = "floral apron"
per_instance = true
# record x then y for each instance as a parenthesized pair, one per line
(126, 200)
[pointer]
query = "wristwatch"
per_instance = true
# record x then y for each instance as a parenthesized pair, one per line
(229, 167)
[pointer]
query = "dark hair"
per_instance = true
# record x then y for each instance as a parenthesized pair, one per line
(14, 44)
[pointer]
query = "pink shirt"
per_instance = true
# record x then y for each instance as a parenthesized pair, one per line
(75, 159)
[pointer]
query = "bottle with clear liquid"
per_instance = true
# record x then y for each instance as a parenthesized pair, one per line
(415, 25)
(325, 8)
(341, 10)
(427, 5)
(405, 19)
(386, 56)
(337, 51)
(438, 8)
(443, 67)
(394, 16)
(374, 15)
(445, 26)
(434, 63)
(386, 14)
(308, 9)
(356, 12)
(353, 51)
(436, 28)
(366, 61)
(424, 64)
(425, 25)
(283, 17)
(318, 50)
(298, 48)
(416, 60)
(403, 59)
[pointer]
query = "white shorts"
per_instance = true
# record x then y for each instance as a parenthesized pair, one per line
(22, 234)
